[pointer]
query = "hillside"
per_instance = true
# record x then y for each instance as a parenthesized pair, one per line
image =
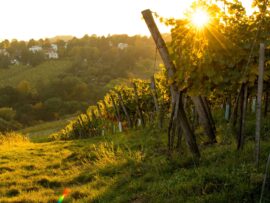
(43, 73)
(97, 119)
(35, 88)
(128, 167)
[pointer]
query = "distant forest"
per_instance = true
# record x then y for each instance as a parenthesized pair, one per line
(46, 79)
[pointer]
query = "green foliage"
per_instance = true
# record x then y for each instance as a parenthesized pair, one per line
(6, 126)
(7, 113)
(219, 56)
(7, 120)
(4, 62)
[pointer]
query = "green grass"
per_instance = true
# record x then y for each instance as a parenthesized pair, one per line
(40, 133)
(43, 72)
(128, 167)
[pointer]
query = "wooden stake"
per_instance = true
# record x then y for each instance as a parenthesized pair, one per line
(242, 120)
(124, 109)
(259, 104)
(203, 118)
(99, 110)
(116, 109)
(164, 53)
(209, 113)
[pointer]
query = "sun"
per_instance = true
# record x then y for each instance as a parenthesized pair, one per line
(200, 18)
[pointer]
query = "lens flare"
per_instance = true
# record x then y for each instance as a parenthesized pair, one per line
(66, 191)
(200, 18)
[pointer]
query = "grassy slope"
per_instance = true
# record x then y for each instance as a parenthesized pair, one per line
(40, 133)
(43, 72)
(129, 167)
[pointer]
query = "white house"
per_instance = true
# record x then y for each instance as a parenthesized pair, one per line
(122, 46)
(52, 54)
(54, 47)
(35, 49)
(14, 62)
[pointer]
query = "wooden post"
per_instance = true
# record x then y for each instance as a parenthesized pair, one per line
(138, 104)
(203, 118)
(168, 62)
(124, 109)
(82, 126)
(93, 114)
(164, 53)
(170, 128)
(99, 110)
(209, 113)
(116, 109)
(242, 119)
(259, 104)
(105, 106)
(235, 109)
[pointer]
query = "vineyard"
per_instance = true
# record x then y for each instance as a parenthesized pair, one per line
(196, 131)
(133, 105)
(205, 71)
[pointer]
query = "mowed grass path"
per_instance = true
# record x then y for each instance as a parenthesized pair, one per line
(128, 167)
(41, 132)
(39, 172)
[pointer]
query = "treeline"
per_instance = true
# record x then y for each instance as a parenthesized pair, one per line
(97, 64)
(90, 49)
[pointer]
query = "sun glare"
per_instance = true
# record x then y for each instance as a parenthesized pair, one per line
(200, 18)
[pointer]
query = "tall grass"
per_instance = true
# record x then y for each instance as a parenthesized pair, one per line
(11, 138)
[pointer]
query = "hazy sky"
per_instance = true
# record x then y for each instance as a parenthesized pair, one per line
(25, 19)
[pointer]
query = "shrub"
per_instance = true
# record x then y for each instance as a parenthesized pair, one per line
(7, 113)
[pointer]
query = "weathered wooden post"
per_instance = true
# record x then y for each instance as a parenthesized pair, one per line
(124, 109)
(117, 114)
(99, 111)
(204, 118)
(105, 107)
(259, 104)
(209, 113)
(93, 114)
(242, 118)
(163, 51)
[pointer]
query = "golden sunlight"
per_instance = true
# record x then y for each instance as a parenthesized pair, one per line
(200, 18)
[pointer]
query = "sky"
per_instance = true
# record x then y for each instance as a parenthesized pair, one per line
(26, 19)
